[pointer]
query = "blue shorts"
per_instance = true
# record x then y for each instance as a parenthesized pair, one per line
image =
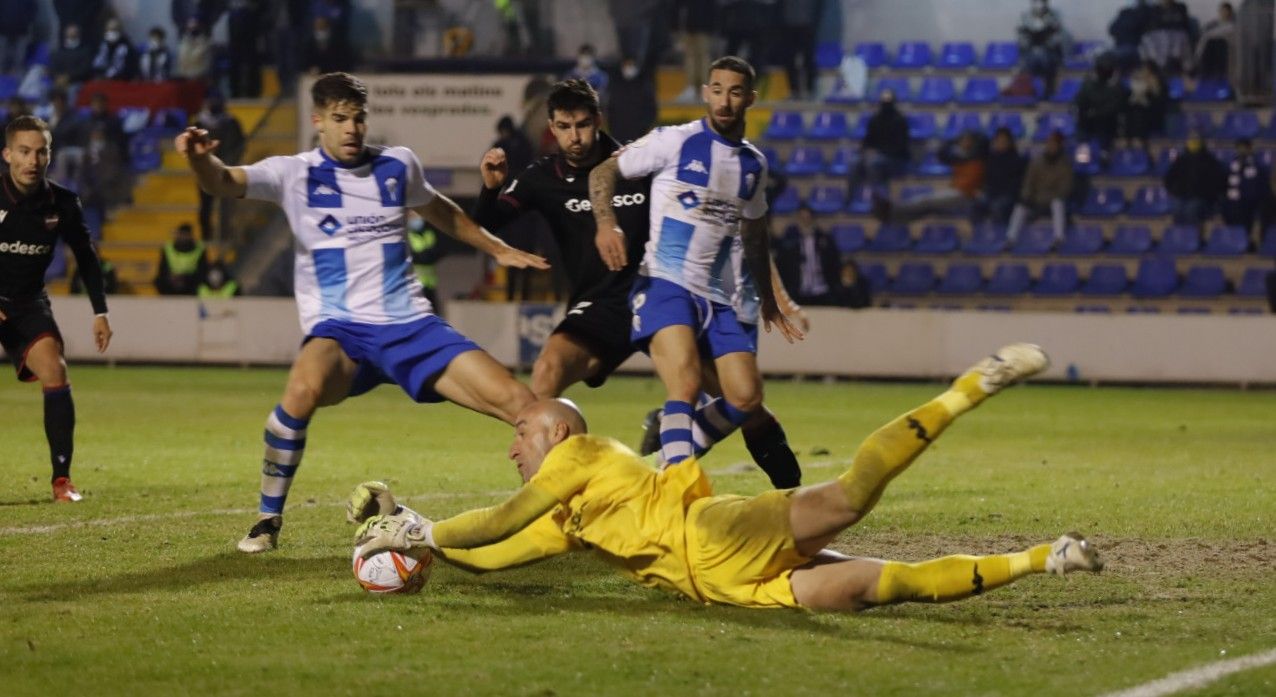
(657, 303)
(410, 355)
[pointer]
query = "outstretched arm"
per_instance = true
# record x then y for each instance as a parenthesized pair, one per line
(609, 238)
(444, 214)
(215, 178)
(540, 540)
(757, 253)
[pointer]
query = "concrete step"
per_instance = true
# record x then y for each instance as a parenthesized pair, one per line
(164, 188)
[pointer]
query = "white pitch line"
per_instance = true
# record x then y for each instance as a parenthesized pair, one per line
(1197, 677)
(129, 519)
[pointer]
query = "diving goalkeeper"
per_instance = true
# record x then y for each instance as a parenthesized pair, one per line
(666, 529)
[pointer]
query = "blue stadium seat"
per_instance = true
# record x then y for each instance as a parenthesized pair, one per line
(1156, 278)
(961, 279)
(959, 122)
(133, 118)
(1131, 240)
(915, 191)
(1034, 240)
(913, 55)
(985, 240)
(1194, 311)
(772, 156)
(914, 278)
(1150, 202)
(1009, 279)
(1086, 159)
(1211, 91)
(825, 200)
(8, 86)
(1143, 310)
(787, 202)
(873, 53)
(1240, 124)
(828, 55)
(37, 54)
(1253, 283)
(804, 161)
(861, 201)
(1050, 122)
(1012, 120)
(1094, 309)
(957, 55)
(1026, 100)
(1174, 88)
(1129, 162)
(891, 238)
(172, 119)
(1082, 240)
(1226, 241)
(1083, 54)
(921, 125)
(876, 275)
(1066, 92)
(827, 125)
(930, 166)
(898, 85)
(784, 125)
(1057, 279)
(1001, 55)
(1105, 279)
(1246, 311)
(1165, 159)
(1103, 202)
(145, 153)
(1179, 239)
(937, 239)
(848, 237)
(1267, 247)
(936, 90)
(860, 129)
(1202, 121)
(844, 158)
(1204, 282)
(979, 90)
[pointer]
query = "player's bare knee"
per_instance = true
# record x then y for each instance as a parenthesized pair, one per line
(547, 376)
(302, 397)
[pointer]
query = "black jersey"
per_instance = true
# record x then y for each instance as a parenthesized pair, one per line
(560, 193)
(30, 227)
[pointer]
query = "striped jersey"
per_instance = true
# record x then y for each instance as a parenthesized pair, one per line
(350, 236)
(703, 186)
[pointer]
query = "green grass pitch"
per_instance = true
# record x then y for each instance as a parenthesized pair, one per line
(138, 590)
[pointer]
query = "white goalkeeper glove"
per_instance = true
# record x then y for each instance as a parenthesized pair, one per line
(400, 532)
(369, 499)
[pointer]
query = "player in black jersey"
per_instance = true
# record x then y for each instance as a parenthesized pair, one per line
(34, 214)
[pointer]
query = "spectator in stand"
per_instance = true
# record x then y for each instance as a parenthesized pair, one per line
(225, 129)
(324, 50)
(886, 149)
(1146, 107)
(749, 23)
(88, 15)
(698, 20)
(194, 53)
(798, 21)
(518, 150)
(1046, 188)
(1194, 181)
(217, 282)
(244, 25)
(809, 263)
(16, 106)
(1100, 103)
(640, 28)
(183, 263)
(1248, 187)
(967, 157)
(101, 118)
(66, 125)
(1041, 42)
(1003, 177)
(633, 102)
(1168, 40)
(155, 64)
(587, 69)
(288, 15)
(71, 63)
(15, 30)
(337, 12)
(857, 290)
(204, 12)
(105, 179)
(115, 59)
(1217, 45)
(1127, 33)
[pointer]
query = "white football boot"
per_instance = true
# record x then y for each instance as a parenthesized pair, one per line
(1009, 365)
(1072, 552)
(263, 536)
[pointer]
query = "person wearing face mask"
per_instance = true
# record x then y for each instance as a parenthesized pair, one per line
(325, 51)
(156, 62)
(71, 63)
(1046, 188)
(217, 282)
(115, 59)
(182, 263)
(1041, 40)
(194, 52)
(223, 127)
(633, 102)
(1169, 38)
(587, 69)
(1099, 103)
(1194, 181)
(885, 146)
(1248, 187)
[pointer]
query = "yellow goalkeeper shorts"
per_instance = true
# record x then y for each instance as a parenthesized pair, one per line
(742, 551)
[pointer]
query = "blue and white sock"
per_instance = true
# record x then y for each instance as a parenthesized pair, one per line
(675, 432)
(285, 442)
(713, 421)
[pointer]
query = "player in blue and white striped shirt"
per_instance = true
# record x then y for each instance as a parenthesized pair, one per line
(362, 309)
(708, 189)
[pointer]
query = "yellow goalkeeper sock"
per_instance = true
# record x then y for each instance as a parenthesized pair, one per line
(956, 577)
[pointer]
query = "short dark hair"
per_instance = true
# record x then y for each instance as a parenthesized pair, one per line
(571, 95)
(25, 123)
(333, 88)
(736, 65)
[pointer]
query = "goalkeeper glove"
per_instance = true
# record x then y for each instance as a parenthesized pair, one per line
(399, 532)
(369, 499)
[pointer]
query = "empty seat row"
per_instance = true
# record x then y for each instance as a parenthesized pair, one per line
(954, 55)
(937, 90)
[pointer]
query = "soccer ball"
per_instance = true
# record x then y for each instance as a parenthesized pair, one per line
(394, 572)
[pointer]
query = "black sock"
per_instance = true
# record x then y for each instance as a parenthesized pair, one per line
(769, 447)
(59, 428)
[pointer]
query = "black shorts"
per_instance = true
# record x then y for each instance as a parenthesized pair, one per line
(602, 325)
(28, 322)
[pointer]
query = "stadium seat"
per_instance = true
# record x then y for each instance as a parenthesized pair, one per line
(1226, 241)
(172, 119)
(957, 55)
(1034, 240)
(1009, 279)
(1204, 282)
(1165, 159)
(133, 118)
(1131, 240)
(985, 240)
(1253, 283)
(787, 202)
(1103, 202)
(1094, 309)
(890, 238)
(1246, 311)
(804, 161)
(913, 55)
(827, 125)
(914, 191)
(898, 85)
(828, 55)
(1066, 92)
(1143, 310)
(1083, 54)
(959, 122)
(1240, 124)
(979, 90)
(873, 53)
(914, 278)
(1178, 240)
(1174, 88)
(937, 239)
(1156, 278)
(1150, 202)
(936, 90)
(1210, 91)
(772, 156)
(1001, 55)
(848, 237)
(37, 54)
(1057, 279)
(930, 166)
(1194, 311)
(921, 125)
(8, 86)
(1012, 120)
(1082, 240)
(784, 125)
(1129, 162)
(1267, 247)
(1050, 122)
(844, 158)
(1201, 121)
(961, 279)
(1086, 159)
(860, 129)
(876, 275)
(861, 202)
(825, 200)
(145, 153)
(1105, 279)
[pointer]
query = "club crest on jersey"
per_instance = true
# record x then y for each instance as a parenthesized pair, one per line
(392, 189)
(329, 225)
(51, 220)
(688, 199)
(696, 166)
